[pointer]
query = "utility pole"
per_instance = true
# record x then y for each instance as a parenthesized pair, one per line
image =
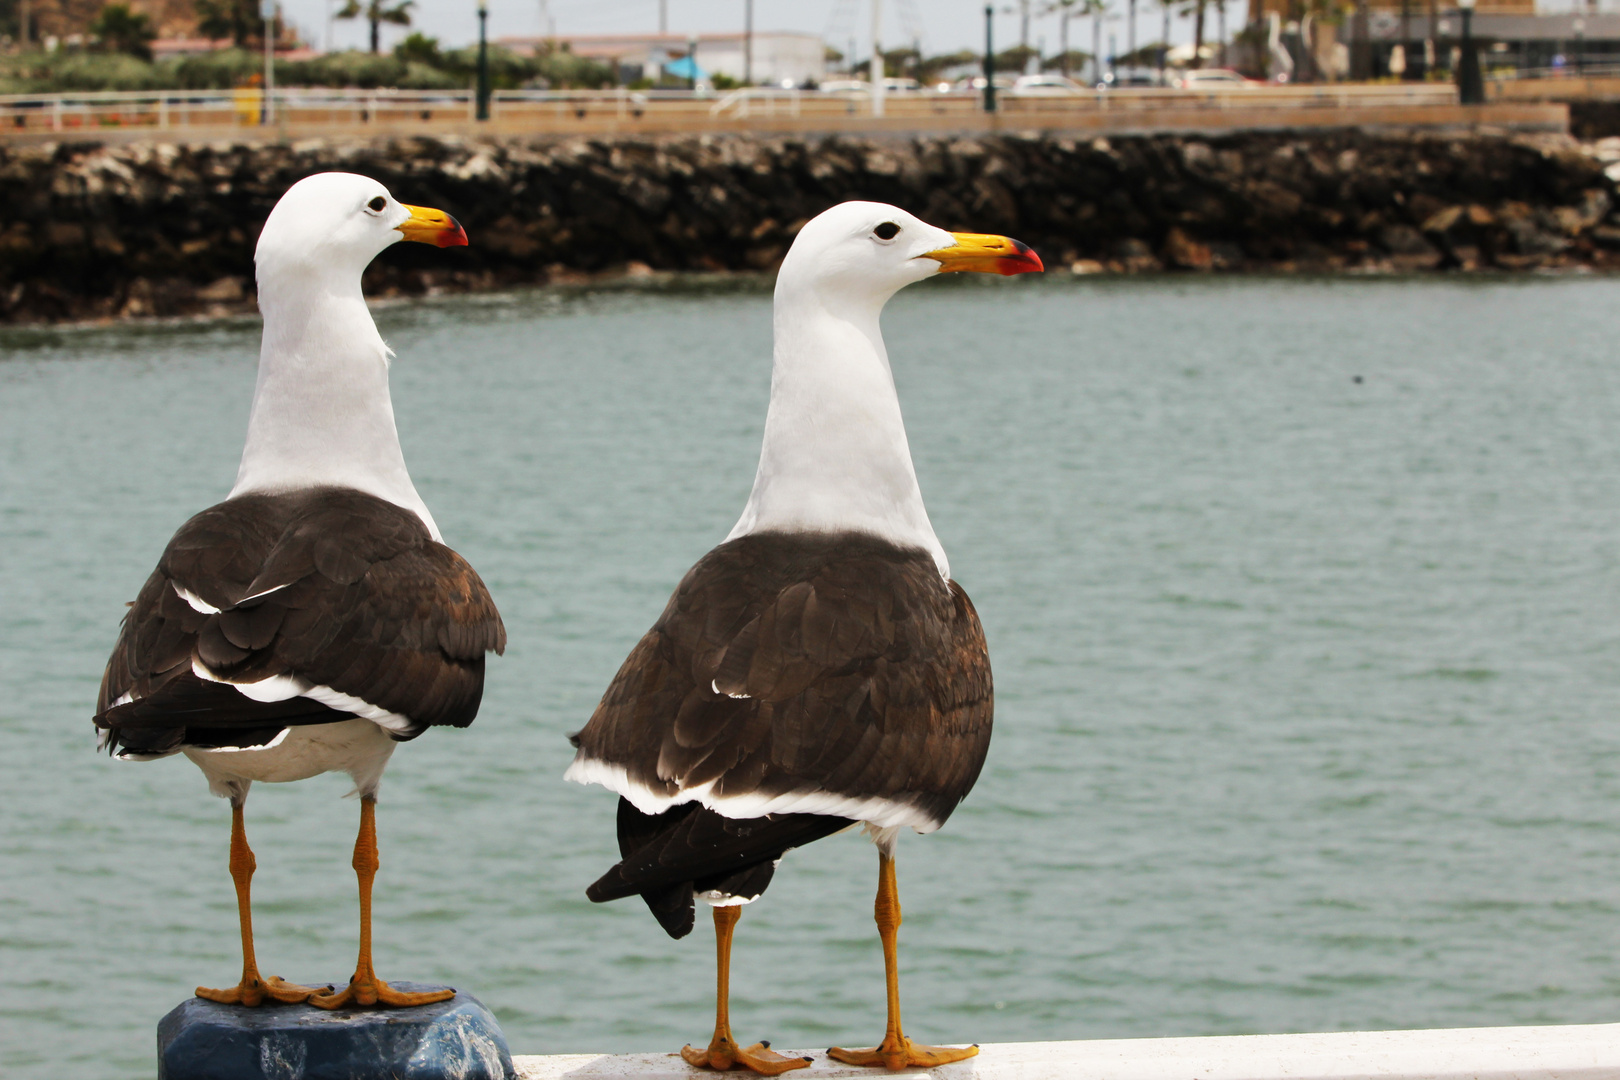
(748, 42)
(877, 57)
(989, 58)
(548, 25)
(1130, 35)
(267, 11)
(1096, 45)
(1023, 24)
(1164, 41)
(663, 16)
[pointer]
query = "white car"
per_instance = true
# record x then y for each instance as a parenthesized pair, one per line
(1212, 79)
(846, 87)
(1003, 83)
(1047, 85)
(862, 88)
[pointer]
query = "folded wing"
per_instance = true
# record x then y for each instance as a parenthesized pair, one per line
(268, 611)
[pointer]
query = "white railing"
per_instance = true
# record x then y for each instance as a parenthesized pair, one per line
(165, 109)
(763, 100)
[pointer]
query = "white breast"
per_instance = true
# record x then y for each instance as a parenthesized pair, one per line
(357, 747)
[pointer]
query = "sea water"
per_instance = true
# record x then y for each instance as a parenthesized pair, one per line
(1303, 599)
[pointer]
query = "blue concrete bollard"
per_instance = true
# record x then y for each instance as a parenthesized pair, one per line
(452, 1040)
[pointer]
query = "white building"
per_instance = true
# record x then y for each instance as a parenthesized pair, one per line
(776, 55)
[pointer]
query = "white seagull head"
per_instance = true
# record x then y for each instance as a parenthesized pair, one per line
(871, 251)
(338, 222)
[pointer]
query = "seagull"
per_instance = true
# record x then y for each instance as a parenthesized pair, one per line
(315, 619)
(819, 669)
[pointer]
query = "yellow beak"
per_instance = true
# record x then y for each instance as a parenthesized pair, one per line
(985, 253)
(427, 226)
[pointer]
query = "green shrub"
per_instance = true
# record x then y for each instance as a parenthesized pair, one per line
(417, 65)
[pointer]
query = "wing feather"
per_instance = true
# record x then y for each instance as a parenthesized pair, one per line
(804, 664)
(330, 586)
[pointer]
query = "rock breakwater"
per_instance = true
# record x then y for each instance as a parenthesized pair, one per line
(108, 231)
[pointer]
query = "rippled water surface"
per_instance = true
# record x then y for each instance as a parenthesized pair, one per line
(1302, 599)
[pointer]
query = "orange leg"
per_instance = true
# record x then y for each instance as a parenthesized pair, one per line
(254, 989)
(365, 988)
(896, 1051)
(723, 1052)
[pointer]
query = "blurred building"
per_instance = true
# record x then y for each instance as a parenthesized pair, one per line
(1381, 38)
(778, 56)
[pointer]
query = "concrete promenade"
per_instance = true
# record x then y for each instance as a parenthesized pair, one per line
(1577, 1052)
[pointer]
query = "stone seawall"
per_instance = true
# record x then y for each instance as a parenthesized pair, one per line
(100, 231)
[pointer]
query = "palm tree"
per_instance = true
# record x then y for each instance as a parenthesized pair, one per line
(125, 31)
(1164, 38)
(1195, 8)
(1098, 10)
(1073, 9)
(377, 12)
(235, 19)
(1064, 10)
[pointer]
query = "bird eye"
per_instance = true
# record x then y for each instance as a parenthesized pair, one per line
(377, 204)
(886, 231)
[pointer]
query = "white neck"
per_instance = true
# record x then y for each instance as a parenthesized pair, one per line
(835, 456)
(322, 415)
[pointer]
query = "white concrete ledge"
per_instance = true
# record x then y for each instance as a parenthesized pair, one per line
(1588, 1052)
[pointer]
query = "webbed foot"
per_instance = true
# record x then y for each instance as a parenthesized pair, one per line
(724, 1053)
(366, 992)
(253, 991)
(899, 1052)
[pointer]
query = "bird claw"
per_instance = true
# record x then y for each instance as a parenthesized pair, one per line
(253, 991)
(723, 1054)
(901, 1053)
(373, 991)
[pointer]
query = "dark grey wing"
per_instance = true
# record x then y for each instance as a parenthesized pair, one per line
(343, 593)
(824, 674)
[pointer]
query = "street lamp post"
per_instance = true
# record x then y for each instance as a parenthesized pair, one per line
(1580, 45)
(1470, 86)
(748, 43)
(877, 58)
(267, 11)
(483, 59)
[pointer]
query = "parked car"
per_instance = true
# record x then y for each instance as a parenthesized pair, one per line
(1130, 78)
(846, 87)
(1212, 79)
(1048, 84)
(863, 88)
(1003, 83)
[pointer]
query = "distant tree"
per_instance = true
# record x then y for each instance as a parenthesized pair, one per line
(124, 31)
(933, 68)
(237, 20)
(898, 63)
(1015, 59)
(1196, 9)
(377, 12)
(1071, 61)
(419, 48)
(1145, 56)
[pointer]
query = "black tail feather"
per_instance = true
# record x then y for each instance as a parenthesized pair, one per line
(669, 857)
